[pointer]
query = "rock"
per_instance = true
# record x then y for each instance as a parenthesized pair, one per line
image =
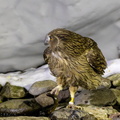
(102, 97)
(42, 86)
(11, 91)
(69, 114)
(115, 116)
(117, 94)
(48, 102)
(63, 95)
(101, 113)
(115, 78)
(99, 97)
(82, 97)
(0, 86)
(106, 83)
(24, 118)
(44, 100)
(88, 112)
(22, 107)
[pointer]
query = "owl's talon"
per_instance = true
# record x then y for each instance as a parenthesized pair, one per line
(56, 90)
(72, 106)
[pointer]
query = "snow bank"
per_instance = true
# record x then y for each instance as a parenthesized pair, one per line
(24, 24)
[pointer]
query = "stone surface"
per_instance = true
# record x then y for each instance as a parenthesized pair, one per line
(11, 91)
(69, 114)
(115, 116)
(19, 107)
(99, 97)
(42, 86)
(106, 83)
(101, 113)
(0, 86)
(117, 94)
(63, 95)
(115, 78)
(24, 118)
(102, 97)
(23, 28)
(82, 97)
(48, 102)
(44, 100)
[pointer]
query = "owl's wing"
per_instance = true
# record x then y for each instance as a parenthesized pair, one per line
(47, 54)
(96, 60)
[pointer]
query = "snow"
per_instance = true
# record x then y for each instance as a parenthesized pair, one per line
(25, 23)
(27, 78)
(113, 67)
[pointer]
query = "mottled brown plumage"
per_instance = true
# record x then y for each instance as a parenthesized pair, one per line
(74, 60)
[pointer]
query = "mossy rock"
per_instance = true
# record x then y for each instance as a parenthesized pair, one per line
(12, 91)
(17, 107)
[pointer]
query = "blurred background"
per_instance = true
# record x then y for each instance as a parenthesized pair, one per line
(25, 23)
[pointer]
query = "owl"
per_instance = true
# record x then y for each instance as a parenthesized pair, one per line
(74, 60)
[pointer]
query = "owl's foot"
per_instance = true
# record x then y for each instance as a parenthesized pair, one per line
(73, 106)
(56, 90)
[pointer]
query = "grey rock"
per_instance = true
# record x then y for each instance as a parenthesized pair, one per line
(42, 86)
(99, 97)
(115, 78)
(63, 95)
(19, 107)
(24, 118)
(69, 114)
(102, 97)
(44, 100)
(82, 97)
(48, 102)
(12, 91)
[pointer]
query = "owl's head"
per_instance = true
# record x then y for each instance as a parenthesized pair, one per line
(59, 37)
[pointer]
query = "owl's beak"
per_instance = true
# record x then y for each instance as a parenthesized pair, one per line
(47, 39)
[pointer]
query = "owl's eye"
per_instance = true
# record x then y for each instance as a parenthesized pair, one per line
(47, 39)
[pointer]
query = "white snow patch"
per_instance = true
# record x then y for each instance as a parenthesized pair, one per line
(113, 67)
(27, 78)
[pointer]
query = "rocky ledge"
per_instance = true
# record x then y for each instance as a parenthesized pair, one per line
(37, 104)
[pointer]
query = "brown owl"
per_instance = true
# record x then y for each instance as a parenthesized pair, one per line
(74, 60)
